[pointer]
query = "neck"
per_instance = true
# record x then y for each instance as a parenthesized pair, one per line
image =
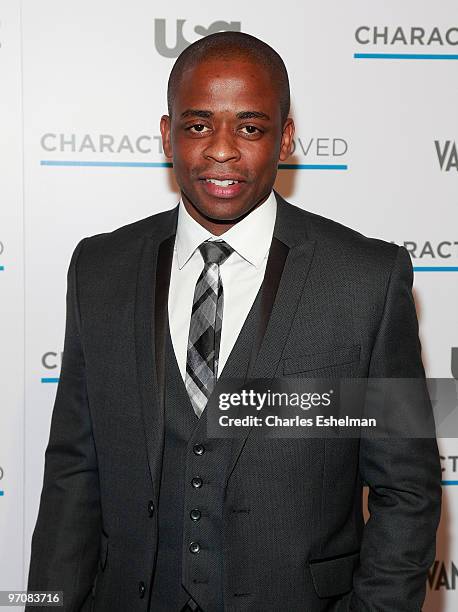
(216, 226)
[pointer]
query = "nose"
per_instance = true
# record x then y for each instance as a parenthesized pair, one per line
(222, 147)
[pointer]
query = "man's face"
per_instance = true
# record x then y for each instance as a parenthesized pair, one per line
(225, 137)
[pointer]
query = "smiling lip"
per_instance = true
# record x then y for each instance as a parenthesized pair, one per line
(222, 191)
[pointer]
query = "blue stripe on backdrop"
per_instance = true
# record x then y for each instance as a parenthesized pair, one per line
(406, 56)
(435, 268)
(114, 164)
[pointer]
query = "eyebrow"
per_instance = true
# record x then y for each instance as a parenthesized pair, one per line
(252, 115)
(206, 114)
(194, 112)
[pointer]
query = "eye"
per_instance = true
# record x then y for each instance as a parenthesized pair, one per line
(250, 130)
(197, 128)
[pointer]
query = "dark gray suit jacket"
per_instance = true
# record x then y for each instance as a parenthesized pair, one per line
(334, 303)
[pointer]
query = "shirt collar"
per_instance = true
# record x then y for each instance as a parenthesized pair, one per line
(250, 237)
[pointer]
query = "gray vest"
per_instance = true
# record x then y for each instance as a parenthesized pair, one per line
(190, 513)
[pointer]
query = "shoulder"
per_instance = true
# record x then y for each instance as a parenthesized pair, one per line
(123, 236)
(340, 243)
(124, 241)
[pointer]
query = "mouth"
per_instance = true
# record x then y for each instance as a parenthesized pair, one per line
(222, 187)
(222, 183)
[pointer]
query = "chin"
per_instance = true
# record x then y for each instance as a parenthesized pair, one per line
(230, 217)
(225, 212)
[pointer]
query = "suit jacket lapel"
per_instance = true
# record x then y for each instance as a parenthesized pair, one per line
(274, 269)
(287, 269)
(150, 332)
(164, 265)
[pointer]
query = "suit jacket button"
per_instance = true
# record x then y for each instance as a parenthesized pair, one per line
(141, 589)
(195, 514)
(151, 507)
(196, 482)
(194, 547)
(199, 449)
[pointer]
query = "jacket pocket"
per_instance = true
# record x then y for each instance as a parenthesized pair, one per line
(334, 576)
(103, 550)
(315, 361)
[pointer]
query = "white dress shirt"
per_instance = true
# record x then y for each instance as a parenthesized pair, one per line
(241, 274)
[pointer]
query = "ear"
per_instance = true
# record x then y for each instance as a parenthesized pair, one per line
(165, 133)
(286, 146)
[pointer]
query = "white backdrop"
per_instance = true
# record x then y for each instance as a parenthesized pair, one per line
(82, 88)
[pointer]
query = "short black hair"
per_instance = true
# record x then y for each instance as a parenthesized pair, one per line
(232, 45)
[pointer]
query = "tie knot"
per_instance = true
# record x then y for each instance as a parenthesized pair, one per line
(215, 252)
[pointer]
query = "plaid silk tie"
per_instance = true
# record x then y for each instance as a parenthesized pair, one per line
(205, 326)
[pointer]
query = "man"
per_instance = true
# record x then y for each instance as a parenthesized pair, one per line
(141, 509)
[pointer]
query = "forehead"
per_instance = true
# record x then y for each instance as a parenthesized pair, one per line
(219, 84)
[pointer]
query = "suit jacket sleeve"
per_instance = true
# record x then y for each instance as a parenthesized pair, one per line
(65, 542)
(403, 475)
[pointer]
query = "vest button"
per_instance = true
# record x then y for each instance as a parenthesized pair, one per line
(195, 514)
(199, 449)
(196, 482)
(150, 507)
(194, 547)
(141, 589)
